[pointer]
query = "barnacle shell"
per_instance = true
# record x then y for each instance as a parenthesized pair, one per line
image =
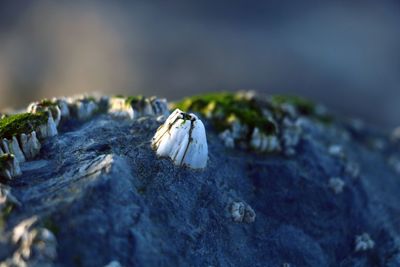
(183, 139)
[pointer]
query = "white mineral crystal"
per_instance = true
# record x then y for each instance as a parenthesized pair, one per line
(242, 212)
(30, 145)
(336, 184)
(9, 167)
(364, 242)
(183, 139)
(265, 143)
(49, 129)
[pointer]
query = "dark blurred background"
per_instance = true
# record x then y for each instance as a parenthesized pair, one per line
(345, 54)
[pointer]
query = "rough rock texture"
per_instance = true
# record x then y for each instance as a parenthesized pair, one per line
(97, 194)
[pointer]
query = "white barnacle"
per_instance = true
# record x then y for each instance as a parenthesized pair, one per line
(49, 129)
(352, 169)
(364, 242)
(119, 108)
(9, 166)
(159, 106)
(46, 106)
(135, 107)
(82, 107)
(63, 106)
(336, 184)
(291, 135)
(4, 144)
(227, 138)
(265, 143)
(30, 145)
(241, 212)
(183, 139)
(336, 151)
(15, 149)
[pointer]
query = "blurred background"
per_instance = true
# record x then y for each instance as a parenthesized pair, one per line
(345, 54)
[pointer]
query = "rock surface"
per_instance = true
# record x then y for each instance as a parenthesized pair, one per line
(97, 195)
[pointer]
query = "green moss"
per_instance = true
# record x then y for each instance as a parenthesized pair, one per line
(136, 102)
(47, 103)
(222, 108)
(14, 125)
(5, 213)
(90, 98)
(303, 106)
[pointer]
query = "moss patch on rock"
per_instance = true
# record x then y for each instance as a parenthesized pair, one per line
(14, 125)
(222, 108)
(302, 105)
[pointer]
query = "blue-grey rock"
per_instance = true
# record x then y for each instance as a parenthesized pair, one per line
(103, 194)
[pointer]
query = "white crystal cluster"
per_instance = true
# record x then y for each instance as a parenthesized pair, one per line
(141, 106)
(182, 138)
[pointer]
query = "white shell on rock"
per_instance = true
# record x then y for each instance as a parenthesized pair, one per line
(11, 168)
(151, 107)
(291, 135)
(160, 106)
(15, 149)
(30, 145)
(63, 105)
(263, 142)
(49, 129)
(4, 143)
(227, 138)
(36, 106)
(119, 108)
(336, 184)
(183, 139)
(83, 108)
(242, 212)
(364, 242)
